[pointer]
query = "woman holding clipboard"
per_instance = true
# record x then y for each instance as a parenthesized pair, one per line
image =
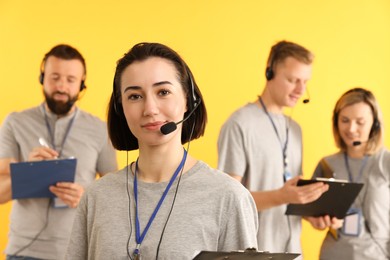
(365, 231)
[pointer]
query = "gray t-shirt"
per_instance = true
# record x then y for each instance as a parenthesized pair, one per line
(87, 141)
(249, 147)
(212, 211)
(373, 200)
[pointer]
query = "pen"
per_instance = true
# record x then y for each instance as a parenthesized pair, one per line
(43, 142)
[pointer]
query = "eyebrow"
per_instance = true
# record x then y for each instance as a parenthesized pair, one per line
(59, 74)
(346, 117)
(154, 85)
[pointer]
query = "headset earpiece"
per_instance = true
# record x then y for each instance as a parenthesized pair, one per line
(193, 99)
(269, 73)
(41, 76)
(82, 86)
(376, 125)
(116, 109)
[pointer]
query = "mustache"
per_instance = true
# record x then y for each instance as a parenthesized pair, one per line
(61, 93)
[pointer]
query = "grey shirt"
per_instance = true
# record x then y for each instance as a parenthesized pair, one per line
(87, 141)
(374, 203)
(249, 147)
(212, 211)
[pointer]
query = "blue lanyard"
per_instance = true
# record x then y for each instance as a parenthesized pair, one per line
(283, 146)
(349, 169)
(52, 138)
(140, 237)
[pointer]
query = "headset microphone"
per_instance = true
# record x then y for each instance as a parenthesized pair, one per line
(169, 128)
(172, 126)
(307, 100)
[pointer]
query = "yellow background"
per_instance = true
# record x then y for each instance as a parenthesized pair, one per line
(225, 43)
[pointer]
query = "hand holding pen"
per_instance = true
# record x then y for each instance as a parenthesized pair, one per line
(68, 192)
(42, 152)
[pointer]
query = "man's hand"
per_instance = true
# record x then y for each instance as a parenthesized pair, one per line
(291, 193)
(42, 153)
(70, 193)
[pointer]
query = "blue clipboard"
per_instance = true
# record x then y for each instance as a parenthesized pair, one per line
(32, 179)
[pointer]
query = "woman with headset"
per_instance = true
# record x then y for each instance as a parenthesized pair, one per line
(166, 204)
(365, 231)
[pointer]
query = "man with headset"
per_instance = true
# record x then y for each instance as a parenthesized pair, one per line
(40, 227)
(261, 147)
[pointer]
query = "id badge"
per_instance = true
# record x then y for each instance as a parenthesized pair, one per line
(351, 225)
(286, 176)
(58, 203)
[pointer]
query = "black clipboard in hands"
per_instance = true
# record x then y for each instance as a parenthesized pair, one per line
(335, 202)
(32, 179)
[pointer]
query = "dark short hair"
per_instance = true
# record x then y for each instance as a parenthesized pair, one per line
(121, 136)
(351, 97)
(65, 52)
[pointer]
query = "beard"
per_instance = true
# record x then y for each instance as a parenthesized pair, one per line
(60, 108)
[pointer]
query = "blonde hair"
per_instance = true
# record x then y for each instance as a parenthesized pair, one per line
(351, 97)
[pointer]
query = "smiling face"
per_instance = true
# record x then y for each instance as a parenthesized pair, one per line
(289, 83)
(151, 97)
(355, 123)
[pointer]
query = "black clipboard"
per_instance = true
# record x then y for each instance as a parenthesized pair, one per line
(32, 179)
(335, 202)
(244, 255)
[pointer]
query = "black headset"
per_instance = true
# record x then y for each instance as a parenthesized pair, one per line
(269, 72)
(376, 125)
(42, 75)
(193, 99)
